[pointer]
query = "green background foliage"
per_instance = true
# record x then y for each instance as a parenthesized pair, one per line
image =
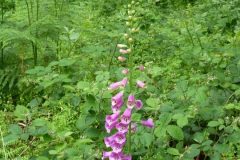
(57, 58)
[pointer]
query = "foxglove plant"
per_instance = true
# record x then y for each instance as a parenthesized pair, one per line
(120, 121)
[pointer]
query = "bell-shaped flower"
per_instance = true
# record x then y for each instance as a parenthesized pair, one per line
(126, 117)
(121, 127)
(148, 123)
(115, 156)
(118, 98)
(140, 84)
(109, 140)
(131, 101)
(106, 155)
(111, 121)
(111, 126)
(121, 59)
(120, 138)
(119, 84)
(115, 85)
(117, 108)
(138, 104)
(124, 82)
(117, 147)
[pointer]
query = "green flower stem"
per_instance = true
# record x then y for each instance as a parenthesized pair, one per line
(131, 89)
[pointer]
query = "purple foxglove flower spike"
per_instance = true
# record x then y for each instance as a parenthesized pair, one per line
(126, 117)
(138, 104)
(131, 101)
(148, 123)
(140, 84)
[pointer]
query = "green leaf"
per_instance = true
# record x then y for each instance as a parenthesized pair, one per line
(175, 132)
(21, 112)
(66, 62)
(83, 85)
(213, 123)
(198, 137)
(183, 121)
(147, 139)
(152, 102)
(15, 129)
(173, 151)
(39, 122)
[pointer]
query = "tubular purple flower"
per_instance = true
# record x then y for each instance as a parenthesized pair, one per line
(106, 155)
(117, 147)
(115, 156)
(120, 138)
(115, 85)
(140, 84)
(138, 104)
(111, 126)
(124, 82)
(126, 117)
(148, 123)
(131, 101)
(123, 128)
(116, 108)
(108, 141)
(118, 98)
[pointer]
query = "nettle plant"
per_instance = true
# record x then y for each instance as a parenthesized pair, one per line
(120, 122)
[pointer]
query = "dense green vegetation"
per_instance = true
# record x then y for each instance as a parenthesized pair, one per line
(58, 57)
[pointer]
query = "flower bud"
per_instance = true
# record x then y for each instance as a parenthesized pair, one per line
(128, 23)
(129, 6)
(125, 71)
(130, 40)
(121, 45)
(133, 2)
(121, 59)
(141, 67)
(126, 35)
